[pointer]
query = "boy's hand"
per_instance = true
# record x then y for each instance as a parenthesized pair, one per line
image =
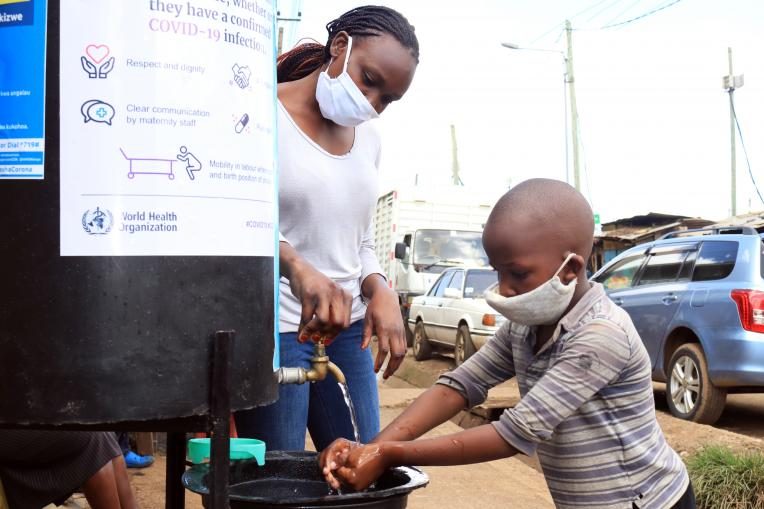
(353, 465)
(383, 318)
(333, 457)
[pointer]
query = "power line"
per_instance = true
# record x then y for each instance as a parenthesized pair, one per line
(641, 16)
(745, 152)
(627, 9)
(596, 4)
(534, 41)
(560, 24)
(612, 4)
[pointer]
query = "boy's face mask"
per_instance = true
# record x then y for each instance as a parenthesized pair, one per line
(340, 99)
(541, 306)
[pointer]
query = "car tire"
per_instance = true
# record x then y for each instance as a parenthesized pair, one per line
(422, 347)
(463, 347)
(409, 334)
(689, 392)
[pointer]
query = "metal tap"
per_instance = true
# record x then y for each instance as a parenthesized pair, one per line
(321, 366)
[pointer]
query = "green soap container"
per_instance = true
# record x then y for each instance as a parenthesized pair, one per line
(241, 449)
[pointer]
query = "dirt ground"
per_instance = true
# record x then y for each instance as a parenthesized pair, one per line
(148, 484)
(687, 437)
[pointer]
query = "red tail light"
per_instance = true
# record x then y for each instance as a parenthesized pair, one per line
(750, 307)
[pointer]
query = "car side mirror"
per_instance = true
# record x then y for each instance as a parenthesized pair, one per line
(400, 250)
(452, 293)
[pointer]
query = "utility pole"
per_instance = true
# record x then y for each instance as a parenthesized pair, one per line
(570, 80)
(455, 178)
(730, 83)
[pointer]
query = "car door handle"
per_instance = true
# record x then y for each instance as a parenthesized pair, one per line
(440, 305)
(618, 301)
(668, 299)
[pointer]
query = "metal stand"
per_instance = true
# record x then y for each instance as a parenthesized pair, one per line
(217, 423)
(220, 417)
(176, 465)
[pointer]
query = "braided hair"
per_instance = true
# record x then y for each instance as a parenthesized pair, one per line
(367, 21)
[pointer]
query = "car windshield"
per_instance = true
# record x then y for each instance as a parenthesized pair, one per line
(478, 282)
(436, 249)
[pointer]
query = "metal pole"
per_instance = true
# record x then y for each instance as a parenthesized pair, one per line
(565, 126)
(220, 413)
(733, 167)
(573, 110)
(455, 178)
(176, 465)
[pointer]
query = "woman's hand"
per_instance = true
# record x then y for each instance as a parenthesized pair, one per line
(354, 465)
(383, 318)
(326, 306)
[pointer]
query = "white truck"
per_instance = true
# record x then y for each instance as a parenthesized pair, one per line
(419, 232)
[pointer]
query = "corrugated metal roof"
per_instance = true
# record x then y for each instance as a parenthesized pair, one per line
(752, 219)
(634, 232)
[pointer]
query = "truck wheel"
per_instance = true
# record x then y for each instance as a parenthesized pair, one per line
(689, 391)
(463, 348)
(422, 347)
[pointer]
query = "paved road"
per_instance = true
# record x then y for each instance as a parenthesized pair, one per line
(743, 414)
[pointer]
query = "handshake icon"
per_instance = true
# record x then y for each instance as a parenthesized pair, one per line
(241, 75)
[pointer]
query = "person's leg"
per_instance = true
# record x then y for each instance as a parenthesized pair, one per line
(123, 440)
(124, 491)
(40, 467)
(282, 424)
(688, 499)
(101, 489)
(329, 417)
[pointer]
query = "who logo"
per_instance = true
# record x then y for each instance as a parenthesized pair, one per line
(97, 222)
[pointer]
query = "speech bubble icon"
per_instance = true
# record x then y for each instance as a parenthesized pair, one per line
(97, 111)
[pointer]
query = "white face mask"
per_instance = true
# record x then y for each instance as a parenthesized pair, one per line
(542, 306)
(340, 99)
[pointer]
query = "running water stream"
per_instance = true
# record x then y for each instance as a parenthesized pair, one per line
(351, 409)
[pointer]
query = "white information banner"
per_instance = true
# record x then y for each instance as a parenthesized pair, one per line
(168, 128)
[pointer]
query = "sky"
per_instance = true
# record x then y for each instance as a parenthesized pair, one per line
(654, 120)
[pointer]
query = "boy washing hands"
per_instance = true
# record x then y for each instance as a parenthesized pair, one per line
(587, 404)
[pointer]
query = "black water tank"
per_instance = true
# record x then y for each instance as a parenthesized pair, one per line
(97, 339)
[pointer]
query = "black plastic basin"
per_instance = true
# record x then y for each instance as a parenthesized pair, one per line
(293, 480)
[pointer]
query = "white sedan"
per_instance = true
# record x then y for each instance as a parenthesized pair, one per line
(454, 315)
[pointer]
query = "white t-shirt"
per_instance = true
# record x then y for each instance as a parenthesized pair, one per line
(326, 211)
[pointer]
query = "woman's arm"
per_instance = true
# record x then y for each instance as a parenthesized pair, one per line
(383, 318)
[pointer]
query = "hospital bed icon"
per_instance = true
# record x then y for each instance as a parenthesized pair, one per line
(149, 166)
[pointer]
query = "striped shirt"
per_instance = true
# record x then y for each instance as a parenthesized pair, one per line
(586, 408)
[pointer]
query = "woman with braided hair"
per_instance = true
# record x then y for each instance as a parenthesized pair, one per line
(332, 286)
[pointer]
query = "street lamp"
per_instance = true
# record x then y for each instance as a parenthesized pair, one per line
(570, 82)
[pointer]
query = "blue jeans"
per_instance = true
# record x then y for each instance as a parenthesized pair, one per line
(318, 406)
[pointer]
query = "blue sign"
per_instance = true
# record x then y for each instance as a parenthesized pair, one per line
(22, 88)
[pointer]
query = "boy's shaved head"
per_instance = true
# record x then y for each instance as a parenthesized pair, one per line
(544, 214)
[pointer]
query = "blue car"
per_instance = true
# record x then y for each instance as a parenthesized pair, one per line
(696, 298)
